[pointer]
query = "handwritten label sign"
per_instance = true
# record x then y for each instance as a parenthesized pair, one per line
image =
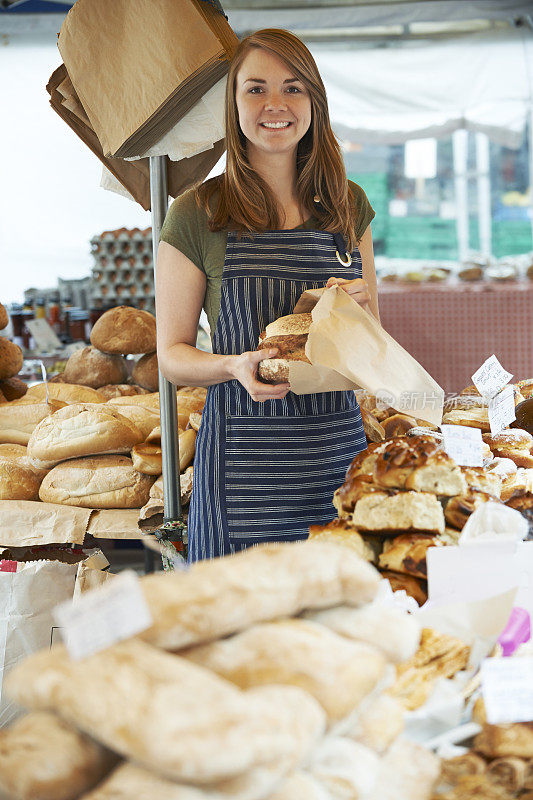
(463, 444)
(501, 410)
(103, 616)
(507, 687)
(491, 377)
(44, 337)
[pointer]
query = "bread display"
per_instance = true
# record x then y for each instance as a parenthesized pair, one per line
(124, 330)
(289, 336)
(19, 418)
(108, 481)
(91, 367)
(43, 757)
(145, 372)
(66, 392)
(82, 429)
(13, 388)
(11, 359)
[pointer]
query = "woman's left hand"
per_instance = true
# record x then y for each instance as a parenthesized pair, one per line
(357, 289)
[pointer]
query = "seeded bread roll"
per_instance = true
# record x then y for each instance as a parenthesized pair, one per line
(4, 319)
(124, 330)
(82, 429)
(19, 418)
(91, 367)
(68, 393)
(96, 482)
(13, 388)
(10, 359)
(145, 372)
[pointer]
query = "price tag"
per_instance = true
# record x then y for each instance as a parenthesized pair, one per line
(491, 377)
(44, 337)
(463, 444)
(501, 410)
(103, 616)
(507, 686)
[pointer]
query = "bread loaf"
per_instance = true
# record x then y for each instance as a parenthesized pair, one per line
(81, 429)
(337, 672)
(458, 509)
(406, 511)
(13, 388)
(414, 587)
(96, 482)
(91, 367)
(145, 372)
(43, 757)
(4, 319)
(145, 704)
(18, 481)
(119, 390)
(19, 418)
(289, 336)
(68, 393)
(339, 531)
(419, 464)
(145, 419)
(407, 553)
(10, 359)
(148, 459)
(124, 330)
(222, 596)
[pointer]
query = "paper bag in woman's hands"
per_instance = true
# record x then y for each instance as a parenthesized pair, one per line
(351, 342)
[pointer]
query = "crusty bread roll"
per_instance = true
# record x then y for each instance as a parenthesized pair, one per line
(398, 424)
(91, 367)
(473, 418)
(419, 464)
(407, 553)
(222, 596)
(13, 388)
(120, 390)
(459, 508)
(11, 359)
(147, 458)
(108, 481)
(195, 420)
(501, 741)
(289, 336)
(4, 319)
(414, 587)
(82, 429)
(66, 392)
(19, 418)
(143, 418)
(124, 330)
(340, 531)
(18, 481)
(145, 372)
(186, 442)
(515, 444)
(128, 690)
(337, 672)
(403, 512)
(41, 756)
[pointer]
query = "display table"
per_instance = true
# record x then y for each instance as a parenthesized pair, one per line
(452, 328)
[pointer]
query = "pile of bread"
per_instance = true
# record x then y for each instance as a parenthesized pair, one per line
(11, 360)
(99, 448)
(261, 677)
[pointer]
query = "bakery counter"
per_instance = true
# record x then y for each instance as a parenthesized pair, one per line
(452, 327)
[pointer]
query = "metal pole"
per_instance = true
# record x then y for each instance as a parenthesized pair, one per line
(484, 205)
(167, 391)
(460, 154)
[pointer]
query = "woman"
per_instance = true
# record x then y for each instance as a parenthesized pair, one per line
(244, 246)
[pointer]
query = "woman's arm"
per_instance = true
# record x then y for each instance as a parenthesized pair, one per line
(180, 291)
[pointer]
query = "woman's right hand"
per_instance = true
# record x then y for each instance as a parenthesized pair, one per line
(245, 371)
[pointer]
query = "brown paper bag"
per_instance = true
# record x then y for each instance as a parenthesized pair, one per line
(133, 175)
(345, 338)
(139, 66)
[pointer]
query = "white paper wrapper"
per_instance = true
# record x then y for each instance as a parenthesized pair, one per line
(493, 521)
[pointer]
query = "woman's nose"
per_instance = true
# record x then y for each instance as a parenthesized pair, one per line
(275, 102)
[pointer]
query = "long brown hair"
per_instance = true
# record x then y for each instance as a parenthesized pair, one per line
(240, 199)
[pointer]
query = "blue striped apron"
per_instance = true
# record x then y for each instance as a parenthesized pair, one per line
(264, 472)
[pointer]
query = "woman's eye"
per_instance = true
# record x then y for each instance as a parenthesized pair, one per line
(255, 90)
(294, 90)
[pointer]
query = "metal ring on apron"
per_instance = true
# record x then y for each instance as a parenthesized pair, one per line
(344, 263)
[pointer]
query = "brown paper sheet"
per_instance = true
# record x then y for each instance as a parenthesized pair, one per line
(133, 175)
(146, 66)
(114, 524)
(347, 339)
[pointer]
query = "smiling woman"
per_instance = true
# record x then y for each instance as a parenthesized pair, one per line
(245, 245)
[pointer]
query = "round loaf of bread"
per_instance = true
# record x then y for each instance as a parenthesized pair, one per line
(10, 359)
(120, 390)
(292, 324)
(145, 372)
(4, 319)
(124, 330)
(91, 367)
(82, 429)
(515, 439)
(18, 481)
(66, 392)
(108, 481)
(13, 388)
(289, 336)
(19, 418)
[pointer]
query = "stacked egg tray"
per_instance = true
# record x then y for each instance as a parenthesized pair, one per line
(123, 271)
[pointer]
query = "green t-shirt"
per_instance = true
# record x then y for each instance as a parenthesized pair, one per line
(186, 229)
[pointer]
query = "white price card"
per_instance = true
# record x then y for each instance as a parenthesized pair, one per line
(491, 377)
(103, 616)
(501, 410)
(463, 444)
(44, 336)
(507, 686)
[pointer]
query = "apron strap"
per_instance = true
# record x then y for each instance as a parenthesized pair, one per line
(340, 242)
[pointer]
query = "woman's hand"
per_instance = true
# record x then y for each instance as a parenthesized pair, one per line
(244, 369)
(357, 289)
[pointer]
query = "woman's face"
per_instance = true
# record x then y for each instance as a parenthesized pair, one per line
(273, 106)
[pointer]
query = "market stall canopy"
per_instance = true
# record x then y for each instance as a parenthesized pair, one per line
(482, 82)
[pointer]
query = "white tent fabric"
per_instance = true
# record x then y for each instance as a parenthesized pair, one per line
(388, 95)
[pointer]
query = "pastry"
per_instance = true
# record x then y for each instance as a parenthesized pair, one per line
(458, 509)
(414, 587)
(419, 464)
(407, 512)
(473, 418)
(501, 741)
(339, 531)
(515, 444)
(407, 553)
